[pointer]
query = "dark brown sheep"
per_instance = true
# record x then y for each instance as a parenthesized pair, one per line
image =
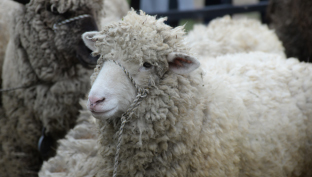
(292, 20)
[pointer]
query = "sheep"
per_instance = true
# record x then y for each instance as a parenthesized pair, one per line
(112, 11)
(249, 115)
(226, 36)
(47, 57)
(291, 20)
(214, 40)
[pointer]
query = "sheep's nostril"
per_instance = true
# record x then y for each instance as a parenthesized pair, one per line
(96, 100)
(99, 101)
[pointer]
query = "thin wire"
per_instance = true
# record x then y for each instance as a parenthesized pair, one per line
(70, 20)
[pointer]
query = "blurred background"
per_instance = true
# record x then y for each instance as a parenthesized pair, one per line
(190, 12)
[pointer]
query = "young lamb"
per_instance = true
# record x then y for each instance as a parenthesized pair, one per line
(227, 36)
(292, 22)
(247, 116)
(47, 57)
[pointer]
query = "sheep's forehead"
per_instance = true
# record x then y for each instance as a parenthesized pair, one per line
(133, 43)
(137, 34)
(142, 27)
(140, 37)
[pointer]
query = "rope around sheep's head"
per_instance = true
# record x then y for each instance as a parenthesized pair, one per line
(141, 93)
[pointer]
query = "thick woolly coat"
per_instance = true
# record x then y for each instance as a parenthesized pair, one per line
(227, 36)
(248, 115)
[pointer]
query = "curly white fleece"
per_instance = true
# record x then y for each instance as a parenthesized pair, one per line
(227, 36)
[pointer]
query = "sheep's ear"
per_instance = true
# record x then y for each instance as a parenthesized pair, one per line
(89, 40)
(22, 1)
(181, 63)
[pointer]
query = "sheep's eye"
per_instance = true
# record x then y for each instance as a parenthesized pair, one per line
(147, 65)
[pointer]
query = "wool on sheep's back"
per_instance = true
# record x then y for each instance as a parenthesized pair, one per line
(228, 36)
(275, 92)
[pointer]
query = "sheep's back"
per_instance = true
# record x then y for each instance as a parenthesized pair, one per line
(275, 93)
(228, 36)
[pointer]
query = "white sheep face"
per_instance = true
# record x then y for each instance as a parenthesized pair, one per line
(112, 91)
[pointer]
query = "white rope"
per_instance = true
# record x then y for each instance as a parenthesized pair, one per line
(70, 20)
(142, 93)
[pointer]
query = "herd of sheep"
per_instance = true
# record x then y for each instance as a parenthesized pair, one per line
(223, 100)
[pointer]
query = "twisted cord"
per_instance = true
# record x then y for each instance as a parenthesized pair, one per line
(142, 93)
(70, 20)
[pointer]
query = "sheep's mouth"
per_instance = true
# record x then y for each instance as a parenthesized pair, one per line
(84, 56)
(104, 113)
